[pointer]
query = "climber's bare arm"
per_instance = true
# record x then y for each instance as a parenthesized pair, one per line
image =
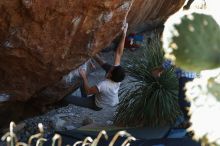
(120, 48)
(89, 90)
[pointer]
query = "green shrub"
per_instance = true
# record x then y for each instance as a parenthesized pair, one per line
(147, 100)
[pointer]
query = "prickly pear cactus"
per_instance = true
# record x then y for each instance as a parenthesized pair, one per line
(196, 43)
(204, 96)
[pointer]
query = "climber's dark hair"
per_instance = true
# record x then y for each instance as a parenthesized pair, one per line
(117, 74)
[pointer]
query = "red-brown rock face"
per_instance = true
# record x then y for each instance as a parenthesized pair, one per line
(42, 40)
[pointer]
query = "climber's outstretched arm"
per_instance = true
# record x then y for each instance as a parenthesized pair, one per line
(120, 48)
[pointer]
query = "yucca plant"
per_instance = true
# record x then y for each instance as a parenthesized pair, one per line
(147, 100)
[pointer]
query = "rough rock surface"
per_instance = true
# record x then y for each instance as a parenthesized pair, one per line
(41, 41)
(148, 14)
(66, 118)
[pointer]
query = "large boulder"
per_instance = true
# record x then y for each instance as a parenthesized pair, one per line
(43, 40)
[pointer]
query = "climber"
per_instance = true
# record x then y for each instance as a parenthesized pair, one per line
(105, 93)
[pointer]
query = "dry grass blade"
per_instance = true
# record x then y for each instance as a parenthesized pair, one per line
(126, 142)
(21, 144)
(118, 134)
(77, 143)
(96, 140)
(10, 136)
(40, 141)
(8, 140)
(38, 135)
(35, 136)
(57, 138)
(86, 140)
